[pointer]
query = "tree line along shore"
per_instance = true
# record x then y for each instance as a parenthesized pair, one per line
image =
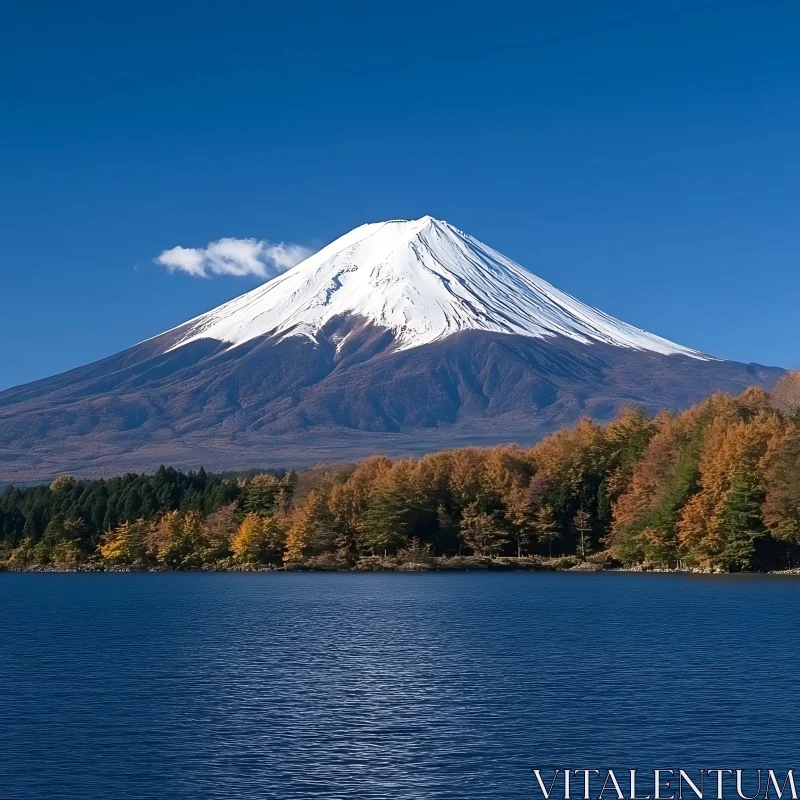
(715, 488)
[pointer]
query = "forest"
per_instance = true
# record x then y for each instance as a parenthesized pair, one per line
(715, 488)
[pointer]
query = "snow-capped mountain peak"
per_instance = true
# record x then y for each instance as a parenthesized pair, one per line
(422, 279)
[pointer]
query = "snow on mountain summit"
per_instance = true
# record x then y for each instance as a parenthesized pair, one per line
(422, 279)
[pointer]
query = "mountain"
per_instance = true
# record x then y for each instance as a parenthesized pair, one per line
(399, 337)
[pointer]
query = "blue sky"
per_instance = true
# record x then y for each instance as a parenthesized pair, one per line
(644, 157)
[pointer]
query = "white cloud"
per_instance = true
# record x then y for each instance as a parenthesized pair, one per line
(234, 257)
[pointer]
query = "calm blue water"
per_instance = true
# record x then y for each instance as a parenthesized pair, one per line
(385, 685)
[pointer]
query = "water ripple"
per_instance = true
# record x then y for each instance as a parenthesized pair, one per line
(376, 686)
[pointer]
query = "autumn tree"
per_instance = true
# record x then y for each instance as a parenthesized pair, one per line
(582, 522)
(63, 483)
(520, 515)
(218, 528)
(786, 395)
(646, 514)
(125, 545)
(259, 540)
(480, 531)
(575, 464)
(545, 527)
(178, 541)
(719, 524)
(309, 530)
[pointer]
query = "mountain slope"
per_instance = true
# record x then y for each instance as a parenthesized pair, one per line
(400, 337)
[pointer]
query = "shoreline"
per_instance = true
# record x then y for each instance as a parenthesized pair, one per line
(454, 564)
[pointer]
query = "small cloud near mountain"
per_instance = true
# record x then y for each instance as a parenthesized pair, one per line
(238, 257)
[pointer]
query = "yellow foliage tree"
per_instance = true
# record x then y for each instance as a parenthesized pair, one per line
(259, 540)
(304, 528)
(178, 541)
(63, 482)
(125, 544)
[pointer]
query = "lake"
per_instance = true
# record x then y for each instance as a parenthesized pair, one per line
(386, 685)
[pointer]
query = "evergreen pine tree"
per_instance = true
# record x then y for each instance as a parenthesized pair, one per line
(741, 520)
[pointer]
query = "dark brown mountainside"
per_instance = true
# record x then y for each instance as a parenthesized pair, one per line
(292, 402)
